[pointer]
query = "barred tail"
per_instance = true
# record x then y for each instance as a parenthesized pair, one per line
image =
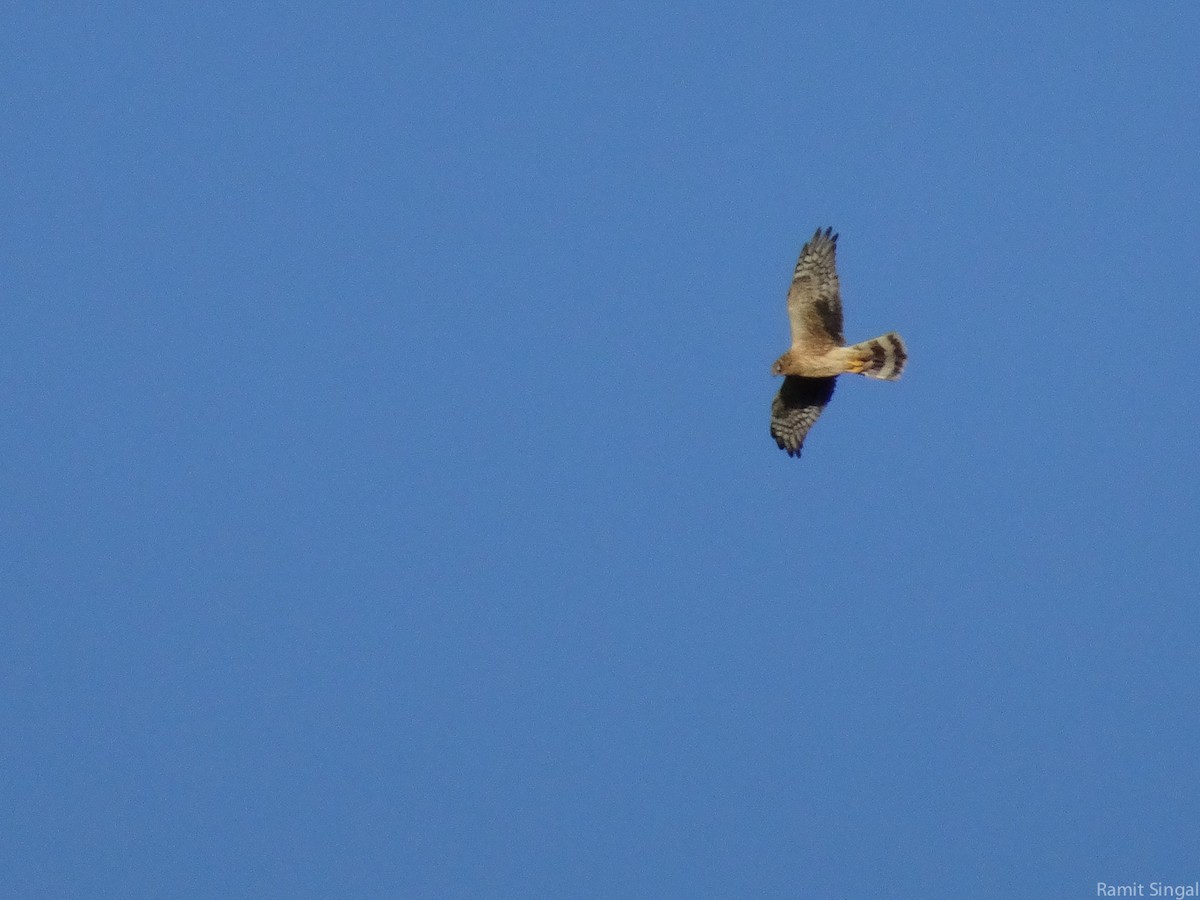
(881, 357)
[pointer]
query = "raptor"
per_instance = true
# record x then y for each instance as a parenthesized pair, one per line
(819, 354)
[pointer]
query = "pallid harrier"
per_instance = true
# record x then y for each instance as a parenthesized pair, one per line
(819, 353)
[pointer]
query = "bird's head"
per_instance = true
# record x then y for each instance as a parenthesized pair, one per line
(777, 366)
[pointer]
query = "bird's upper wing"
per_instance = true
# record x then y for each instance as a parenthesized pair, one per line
(796, 407)
(814, 301)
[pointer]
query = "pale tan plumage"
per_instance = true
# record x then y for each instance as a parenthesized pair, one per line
(819, 353)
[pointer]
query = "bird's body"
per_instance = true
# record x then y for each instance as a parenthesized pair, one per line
(832, 362)
(819, 353)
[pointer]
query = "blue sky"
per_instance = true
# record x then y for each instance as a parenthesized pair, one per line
(390, 505)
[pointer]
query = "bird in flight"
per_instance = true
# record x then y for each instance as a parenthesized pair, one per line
(819, 354)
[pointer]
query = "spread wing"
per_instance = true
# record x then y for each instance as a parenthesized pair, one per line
(796, 407)
(814, 301)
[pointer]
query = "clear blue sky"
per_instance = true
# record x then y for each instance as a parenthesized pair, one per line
(389, 504)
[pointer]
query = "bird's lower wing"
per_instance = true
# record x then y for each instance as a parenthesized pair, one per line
(796, 407)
